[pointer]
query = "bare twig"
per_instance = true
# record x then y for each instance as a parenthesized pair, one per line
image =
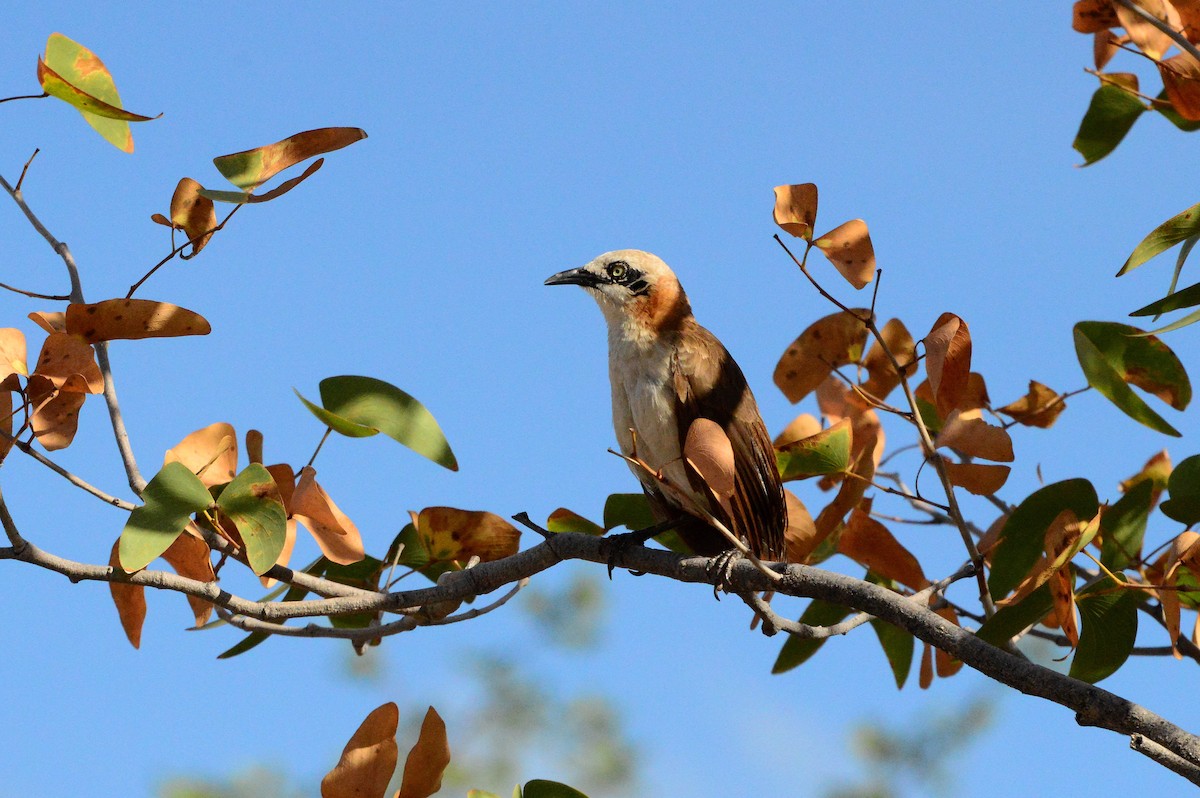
(35, 294)
(25, 168)
(41, 96)
(179, 249)
(28, 449)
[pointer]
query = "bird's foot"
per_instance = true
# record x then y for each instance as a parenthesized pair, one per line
(619, 544)
(720, 569)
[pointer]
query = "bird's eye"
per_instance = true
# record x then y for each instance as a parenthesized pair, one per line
(617, 270)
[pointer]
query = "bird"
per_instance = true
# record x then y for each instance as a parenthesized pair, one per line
(666, 372)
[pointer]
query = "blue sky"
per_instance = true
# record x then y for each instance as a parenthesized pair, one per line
(508, 142)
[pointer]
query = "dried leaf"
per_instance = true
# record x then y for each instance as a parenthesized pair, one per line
(130, 601)
(1104, 47)
(869, 542)
(978, 478)
(948, 362)
(193, 213)
(427, 760)
(56, 412)
(1092, 16)
(1147, 38)
(368, 760)
(852, 489)
(802, 426)
(1157, 470)
(51, 321)
(6, 424)
(830, 342)
(926, 668)
(882, 376)
(947, 665)
(1189, 18)
(251, 168)
(801, 534)
(191, 557)
(133, 319)
(64, 356)
(12, 357)
(450, 534)
(848, 247)
(1040, 407)
(1062, 589)
(1181, 78)
(965, 431)
(213, 449)
(336, 534)
(796, 209)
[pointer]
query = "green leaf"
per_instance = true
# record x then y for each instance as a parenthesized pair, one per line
(797, 650)
(1185, 298)
(1109, 116)
(1114, 356)
(564, 520)
(75, 75)
(540, 788)
(1015, 618)
(414, 554)
(1183, 486)
(171, 499)
(335, 422)
(253, 503)
(251, 168)
(245, 644)
(898, 644)
(1179, 227)
(1110, 625)
(376, 404)
(1187, 320)
(243, 197)
(630, 510)
(1023, 536)
(362, 574)
(827, 452)
(1123, 526)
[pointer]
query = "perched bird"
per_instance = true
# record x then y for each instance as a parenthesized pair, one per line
(666, 372)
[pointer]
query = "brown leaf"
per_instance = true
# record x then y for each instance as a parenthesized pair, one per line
(948, 362)
(1181, 78)
(965, 431)
(1157, 469)
(978, 478)
(828, 343)
(1189, 18)
(6, 423)
(947, 665)
(251, 168)
(12, 357)
(801, 534)
(130, 601)
(450, 534)
(1040, 407)
(848, 247)
(193, 214)
(336, 534)
(254, 446)
(796, 209)
(867, 541)
(837, 401)
(190, 557)
(1092, 16)
(1062, 590)
(55, 412)
(852, 488)
(708, 450)
(368, 760)
(133, 319)
(1062, 536)
(882, 376)
(926, 668)
(51, 321)
(427, 760)
(1147, 38)
(802, 426)
(64, 356)
(285, 480)
(213, 448)
(1105, 45)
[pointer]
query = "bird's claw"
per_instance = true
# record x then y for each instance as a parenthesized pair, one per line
(617, 544)
(720, 569)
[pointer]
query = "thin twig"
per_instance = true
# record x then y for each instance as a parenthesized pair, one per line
(67, 475)
(35, 294)
(41, 96)
(133, 288)
(25, 168)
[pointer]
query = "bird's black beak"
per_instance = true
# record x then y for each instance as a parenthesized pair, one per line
(580, 276)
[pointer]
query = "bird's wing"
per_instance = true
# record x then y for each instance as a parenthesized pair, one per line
(709, 384)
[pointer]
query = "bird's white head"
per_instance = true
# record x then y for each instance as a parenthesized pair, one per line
(632, 287)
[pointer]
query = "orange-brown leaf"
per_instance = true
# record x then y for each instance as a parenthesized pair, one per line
(213, 448)
(1147, 38)
(450, 534)
(1039, 407)
(947, 665)
(193, 213)
(1189, 18)
(55, 412)
(802, 426)
(1157, 469)
(1062, 590)
(1092, 16)
(251, 168)
(6, 423)
(335, 533)
(1104, 46)
(948, 362)
(133, 319)
(978, 478)
(64, 356)
(190, 557)
(926, 667)
(882, 377)
(828, 343)
(130, 601)
(427, 760)
(368, 760)
(1181, 78)
(51, 321)
(12, 357)
(965, 431)
(800, 537)
(848, 247)
(867, 541)
(796, 209)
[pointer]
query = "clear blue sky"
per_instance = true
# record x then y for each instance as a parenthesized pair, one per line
(507, 142)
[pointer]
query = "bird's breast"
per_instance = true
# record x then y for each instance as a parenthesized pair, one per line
(644, 401)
